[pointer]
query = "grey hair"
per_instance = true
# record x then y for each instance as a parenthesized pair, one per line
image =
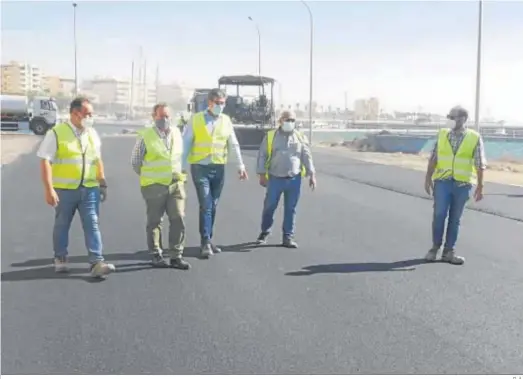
(216, 93)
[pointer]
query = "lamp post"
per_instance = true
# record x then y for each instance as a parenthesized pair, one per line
(75, 56)
(310, 68)
(478, 64)
(259, 44)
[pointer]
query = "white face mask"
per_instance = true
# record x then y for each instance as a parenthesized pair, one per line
(288, 126)
(451, 124)
(87, 122)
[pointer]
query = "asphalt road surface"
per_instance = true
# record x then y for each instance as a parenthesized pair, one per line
(355, 298)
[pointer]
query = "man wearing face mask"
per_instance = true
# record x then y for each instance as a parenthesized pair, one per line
(207, 138)
(157, 158)
(74, 179)
(457, 163)
(283, 159)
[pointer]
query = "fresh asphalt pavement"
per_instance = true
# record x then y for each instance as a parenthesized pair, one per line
(354, 298)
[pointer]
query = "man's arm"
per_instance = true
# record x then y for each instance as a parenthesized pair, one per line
(137, 155)
(234, 147)
(432, 161)
(47, 152)
(306, 157)
(100, 172)
(188, 139)
(262, 157)
(480, 161)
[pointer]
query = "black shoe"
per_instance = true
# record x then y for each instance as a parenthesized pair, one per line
(159, 261)
(290, 243)
(180, 264)
(262, 238)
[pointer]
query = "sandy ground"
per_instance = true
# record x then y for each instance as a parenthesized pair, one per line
(503, 172)
(15, 145)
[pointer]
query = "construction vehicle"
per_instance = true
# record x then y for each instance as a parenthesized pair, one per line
(18, 113)
(241, 108)
(256, 110)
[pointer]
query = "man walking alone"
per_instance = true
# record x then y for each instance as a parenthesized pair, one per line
(457, 163)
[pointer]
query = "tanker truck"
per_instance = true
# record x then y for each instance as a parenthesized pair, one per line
(21, 114)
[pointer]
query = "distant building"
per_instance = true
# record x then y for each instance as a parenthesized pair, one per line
(20, 78)
(176, 95)
(57, 86)
(116, 96)
(367, 109)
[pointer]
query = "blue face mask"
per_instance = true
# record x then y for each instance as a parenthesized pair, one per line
(217, 109)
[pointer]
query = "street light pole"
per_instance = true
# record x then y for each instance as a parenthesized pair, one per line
(478, 65)
(310, 69)
(259, 45)
(75, 54)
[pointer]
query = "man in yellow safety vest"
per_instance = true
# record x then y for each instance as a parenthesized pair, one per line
(73, 177)
(157, 158)
(457, 163)
(284, 158)
(207, 138)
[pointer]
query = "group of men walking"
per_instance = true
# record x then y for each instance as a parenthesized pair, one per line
(74, 179)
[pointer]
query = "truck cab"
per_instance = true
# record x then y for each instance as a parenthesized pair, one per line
(20, 114)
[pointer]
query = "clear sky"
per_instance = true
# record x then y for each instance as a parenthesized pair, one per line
(409, 54)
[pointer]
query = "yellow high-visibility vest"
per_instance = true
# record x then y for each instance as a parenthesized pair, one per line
(270, 140)
(460, 166)
(72, 166)
(214, 145)
(160, 164)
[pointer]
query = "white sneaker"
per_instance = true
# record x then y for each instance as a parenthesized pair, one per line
(101, 269)
(432, 254)
(60, 265)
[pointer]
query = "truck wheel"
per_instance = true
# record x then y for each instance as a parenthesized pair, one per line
(39, 128)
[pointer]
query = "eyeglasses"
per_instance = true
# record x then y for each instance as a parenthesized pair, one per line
(289, 120)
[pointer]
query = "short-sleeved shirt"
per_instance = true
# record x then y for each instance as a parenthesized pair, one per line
(48, 146)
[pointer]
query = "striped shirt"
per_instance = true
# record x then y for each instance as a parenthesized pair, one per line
(139, 149)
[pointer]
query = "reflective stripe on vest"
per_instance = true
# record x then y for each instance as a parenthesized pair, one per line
(460, 166)
(270, 140)
(71, 162)
(214, 145)
(160, 164)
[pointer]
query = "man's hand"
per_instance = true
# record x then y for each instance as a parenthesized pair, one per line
(103, 194)
(478, 194)
(243, 174)
(103, 189)
(429, 186)
(262, 180)
(312, 182)
(51, 197)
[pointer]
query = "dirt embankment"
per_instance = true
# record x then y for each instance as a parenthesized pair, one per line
(503, 171)
(16, 145)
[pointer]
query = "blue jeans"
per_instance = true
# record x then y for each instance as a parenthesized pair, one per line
(290, 187)
(208, 181)
(450, 199)
(87, 202)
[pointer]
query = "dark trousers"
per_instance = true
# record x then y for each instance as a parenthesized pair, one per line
(208, 181)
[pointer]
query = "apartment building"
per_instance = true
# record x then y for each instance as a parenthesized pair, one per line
(20, 78)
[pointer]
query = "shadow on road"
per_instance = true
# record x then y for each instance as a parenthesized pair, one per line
(347, 268)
